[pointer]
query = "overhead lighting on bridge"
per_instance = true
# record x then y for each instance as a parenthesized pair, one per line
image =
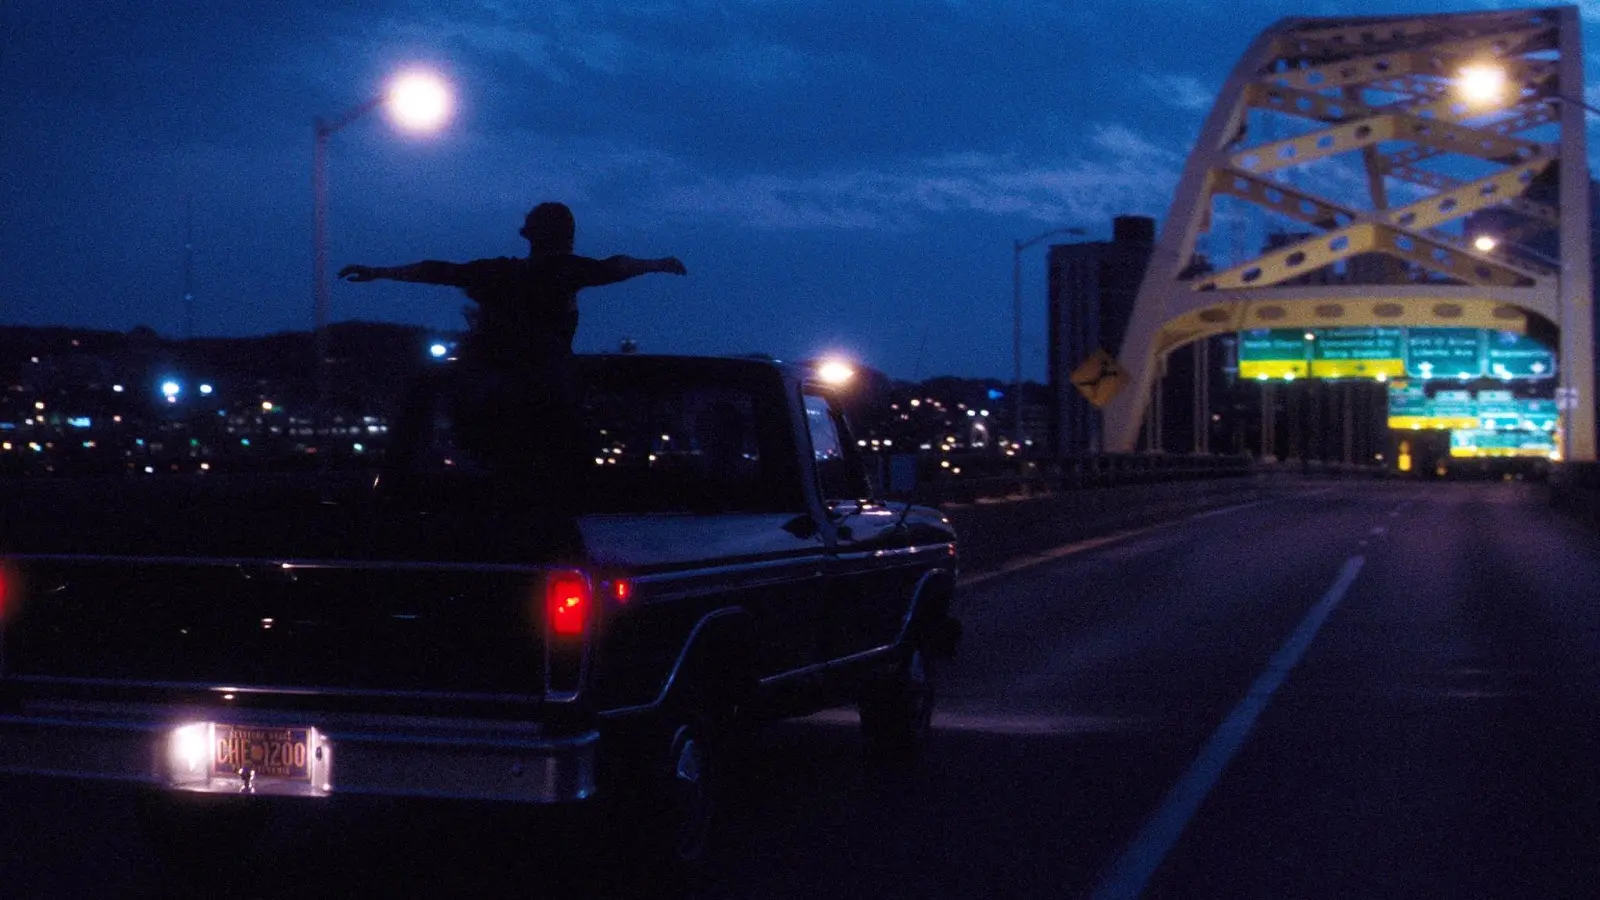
(1482, 84)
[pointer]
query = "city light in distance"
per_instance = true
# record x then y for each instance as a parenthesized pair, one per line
(205, 388)
(171, 388)
(437, 351)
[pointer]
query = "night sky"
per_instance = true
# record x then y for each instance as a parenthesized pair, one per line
(836, 174)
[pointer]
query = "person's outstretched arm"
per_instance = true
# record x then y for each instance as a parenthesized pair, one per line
(612, 269)
(429, 271)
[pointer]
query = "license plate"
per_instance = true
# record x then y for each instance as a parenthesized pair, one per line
(279, 753)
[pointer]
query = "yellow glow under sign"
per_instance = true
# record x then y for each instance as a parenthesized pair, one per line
(1431, 423)
(1273, 368)
(1358, 368)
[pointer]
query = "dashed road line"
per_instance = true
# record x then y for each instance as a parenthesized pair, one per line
(1025, 562)
(1131, 873)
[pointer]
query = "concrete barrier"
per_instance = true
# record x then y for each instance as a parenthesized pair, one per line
(993, 530)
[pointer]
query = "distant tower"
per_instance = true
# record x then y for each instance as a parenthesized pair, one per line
(1092, 288)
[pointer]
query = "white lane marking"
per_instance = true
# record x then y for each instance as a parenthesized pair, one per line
(1222, 511)
(1008, 723)
(1132, 871)
(1380, 531)
(1028, 562)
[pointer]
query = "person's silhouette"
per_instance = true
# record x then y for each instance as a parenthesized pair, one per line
(515, 403)
(527, 307)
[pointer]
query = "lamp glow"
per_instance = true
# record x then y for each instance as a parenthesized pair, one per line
(188, 748)
(1482, 83)
(1485, 243)
(419, 101)
(835, 371)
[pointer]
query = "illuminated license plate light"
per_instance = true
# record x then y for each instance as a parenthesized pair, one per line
(221, 757)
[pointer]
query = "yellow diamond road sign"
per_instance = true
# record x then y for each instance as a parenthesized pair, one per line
(1099, 378)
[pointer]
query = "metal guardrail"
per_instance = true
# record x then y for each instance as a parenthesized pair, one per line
(971, 478)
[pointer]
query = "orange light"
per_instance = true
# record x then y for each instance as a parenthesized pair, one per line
(622, 589)
(566, 603)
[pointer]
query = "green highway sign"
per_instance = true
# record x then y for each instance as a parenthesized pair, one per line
(1410, 407)
(1383, 354)
(1512, 355)
(1444, 352)
(1274, 353)
(1357, 353)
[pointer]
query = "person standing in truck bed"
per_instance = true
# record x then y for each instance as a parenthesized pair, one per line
(516, 359)
(528, 307)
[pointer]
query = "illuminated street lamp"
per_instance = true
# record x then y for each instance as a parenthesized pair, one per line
(835, 371)
(1482, 84)
(416, 101)
(1485, 84)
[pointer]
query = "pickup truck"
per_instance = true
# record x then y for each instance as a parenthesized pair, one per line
(457, 626)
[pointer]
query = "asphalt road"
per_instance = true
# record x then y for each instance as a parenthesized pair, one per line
(1340, 690)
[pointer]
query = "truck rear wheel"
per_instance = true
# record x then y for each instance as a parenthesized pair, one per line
(897, 712)
(666, 798)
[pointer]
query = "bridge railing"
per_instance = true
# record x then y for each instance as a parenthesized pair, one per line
(971, 478)
(957, 478)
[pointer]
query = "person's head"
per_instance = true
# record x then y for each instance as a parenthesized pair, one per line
(549, 228)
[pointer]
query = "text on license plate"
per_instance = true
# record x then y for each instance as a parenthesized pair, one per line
(270, 752)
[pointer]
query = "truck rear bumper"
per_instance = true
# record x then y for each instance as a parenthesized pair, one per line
(178, 749)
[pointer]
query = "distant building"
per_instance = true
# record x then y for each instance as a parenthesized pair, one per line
(1092, 288)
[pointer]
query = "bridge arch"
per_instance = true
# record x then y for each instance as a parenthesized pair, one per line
(1350, 138)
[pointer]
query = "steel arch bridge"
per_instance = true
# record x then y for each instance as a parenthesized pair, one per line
(1351, 141)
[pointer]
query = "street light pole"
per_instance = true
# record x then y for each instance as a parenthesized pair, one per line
(419, 101)
(322, 130)
(1017, 246)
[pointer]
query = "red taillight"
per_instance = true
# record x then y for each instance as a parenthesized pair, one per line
(566, 604)
(622, 589)
(8, 582)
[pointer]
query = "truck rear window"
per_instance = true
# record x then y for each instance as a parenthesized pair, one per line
(627, 444)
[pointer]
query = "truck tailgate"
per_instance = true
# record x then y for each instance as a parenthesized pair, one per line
(356, 625)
